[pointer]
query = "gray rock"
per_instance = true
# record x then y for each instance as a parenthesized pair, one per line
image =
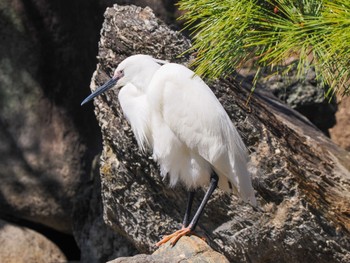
(164, 9)
(44, 154)
(22, 245)
(305, 96)
(97, 241)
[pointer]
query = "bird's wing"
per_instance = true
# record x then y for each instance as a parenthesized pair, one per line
(136, 110)
(197, 118)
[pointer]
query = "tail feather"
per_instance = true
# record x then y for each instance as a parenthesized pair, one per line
(234, 166)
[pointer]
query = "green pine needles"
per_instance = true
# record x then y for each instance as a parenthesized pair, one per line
(280, 35)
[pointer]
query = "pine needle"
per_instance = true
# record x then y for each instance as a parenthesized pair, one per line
(280, 35)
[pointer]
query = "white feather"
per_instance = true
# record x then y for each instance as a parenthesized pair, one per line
(174, 112)
(136, 110)
(198, 126)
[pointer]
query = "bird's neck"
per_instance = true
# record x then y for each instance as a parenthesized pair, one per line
(142, 83)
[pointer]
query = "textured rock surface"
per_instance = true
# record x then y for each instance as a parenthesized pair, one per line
(164, 9)
(303, 185)
(97, 242)
(22, 245)
(306, 97)
(188, 249)
(340, 133)
(44, 154)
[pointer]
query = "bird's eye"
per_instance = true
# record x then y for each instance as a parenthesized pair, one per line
(119, 73)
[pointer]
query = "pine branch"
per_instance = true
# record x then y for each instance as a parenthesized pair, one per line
(229, 33)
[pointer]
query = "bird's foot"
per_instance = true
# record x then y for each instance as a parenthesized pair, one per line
(176, 235)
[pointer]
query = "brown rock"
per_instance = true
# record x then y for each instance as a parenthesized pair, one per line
(22, 245)
(141, 258)
(340, 133)
(188, 249)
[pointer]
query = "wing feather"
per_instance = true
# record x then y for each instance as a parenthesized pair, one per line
(196, 117)
(136, 110)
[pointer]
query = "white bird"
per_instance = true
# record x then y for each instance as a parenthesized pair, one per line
(175, 114)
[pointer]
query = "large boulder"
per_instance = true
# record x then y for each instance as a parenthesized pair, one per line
(47, 144)
(302, 187)
(22, 245)
(97, 241)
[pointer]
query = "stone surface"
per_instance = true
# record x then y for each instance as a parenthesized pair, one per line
(188, 249)
(305, 96)
(340, 133)
(47, 145)
(302, 187)
(164, 9)
(97, 241)
(22, 245)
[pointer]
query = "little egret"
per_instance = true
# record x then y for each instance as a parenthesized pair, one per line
(175, 114)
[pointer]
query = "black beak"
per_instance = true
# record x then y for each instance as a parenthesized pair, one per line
(109, 84)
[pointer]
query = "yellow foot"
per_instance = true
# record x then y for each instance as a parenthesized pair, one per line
(178, 234)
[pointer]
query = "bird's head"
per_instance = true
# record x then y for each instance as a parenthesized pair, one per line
(137, 70)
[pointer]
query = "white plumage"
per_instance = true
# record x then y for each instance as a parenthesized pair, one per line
(173, 112)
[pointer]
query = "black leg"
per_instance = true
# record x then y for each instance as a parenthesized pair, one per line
(189, 228)
(188, 208)
(214, 179)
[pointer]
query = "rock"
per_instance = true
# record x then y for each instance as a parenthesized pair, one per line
(188, 249)
(340, 133)
(97, 241)
(305, 96)
(47, 144)
(164, 9)
(302, 187)
(141, 258)
(20, 244)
